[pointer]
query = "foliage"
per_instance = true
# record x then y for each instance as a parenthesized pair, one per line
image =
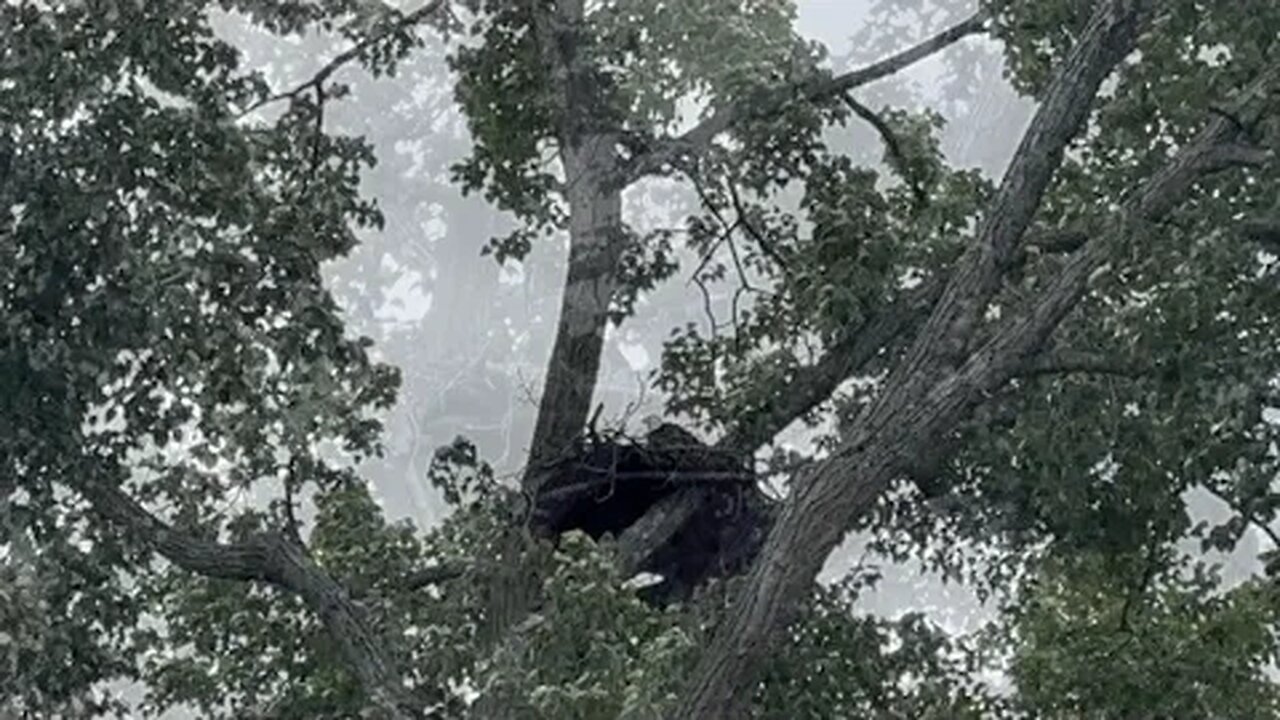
(1088, 643)
(166, 333)
(843, 664)
(165, 327)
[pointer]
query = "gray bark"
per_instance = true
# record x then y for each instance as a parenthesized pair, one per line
(595, 246)
(929, 393)
(278, 560)
(916, 411)
(814, 385)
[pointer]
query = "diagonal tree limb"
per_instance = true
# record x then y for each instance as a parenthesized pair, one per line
(317, 81)
(926, 395)
(1107, 38)
(915, 413)
(695, 141)
(275, 559)
(1016, 345)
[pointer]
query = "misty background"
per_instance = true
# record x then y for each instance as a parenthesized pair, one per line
(471, 337)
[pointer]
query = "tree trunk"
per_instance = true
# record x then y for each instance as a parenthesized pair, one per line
(812, 522)
(595, 246)
(595, 240)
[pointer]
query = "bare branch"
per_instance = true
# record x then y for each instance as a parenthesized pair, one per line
(694, 142)
(973, 25)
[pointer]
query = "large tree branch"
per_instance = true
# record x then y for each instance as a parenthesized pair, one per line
(917, 411)
(674, 151)
(276, 559)
(924, 398)
(1016, 346)
(596, 242)
(1108, 37)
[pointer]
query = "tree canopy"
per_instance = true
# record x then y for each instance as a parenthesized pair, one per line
(1016, 381)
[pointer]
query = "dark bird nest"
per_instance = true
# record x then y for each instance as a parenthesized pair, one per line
(609, 482)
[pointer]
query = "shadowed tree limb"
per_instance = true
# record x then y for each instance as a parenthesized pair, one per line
(275, 559)
(1265, 231)
(1070, 362)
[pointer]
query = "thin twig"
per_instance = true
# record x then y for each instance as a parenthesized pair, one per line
(322, 76)
(765, 245)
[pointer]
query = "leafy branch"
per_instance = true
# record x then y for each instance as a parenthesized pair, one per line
(317, 81)
(677, 151)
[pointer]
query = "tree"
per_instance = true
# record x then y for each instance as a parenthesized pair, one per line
(1078, 345)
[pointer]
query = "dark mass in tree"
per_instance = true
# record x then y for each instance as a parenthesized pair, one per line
(610, 482)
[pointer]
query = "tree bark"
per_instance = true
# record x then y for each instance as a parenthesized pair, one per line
(928, 394)
(595, 246)
(278, 560)
(816, 383)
